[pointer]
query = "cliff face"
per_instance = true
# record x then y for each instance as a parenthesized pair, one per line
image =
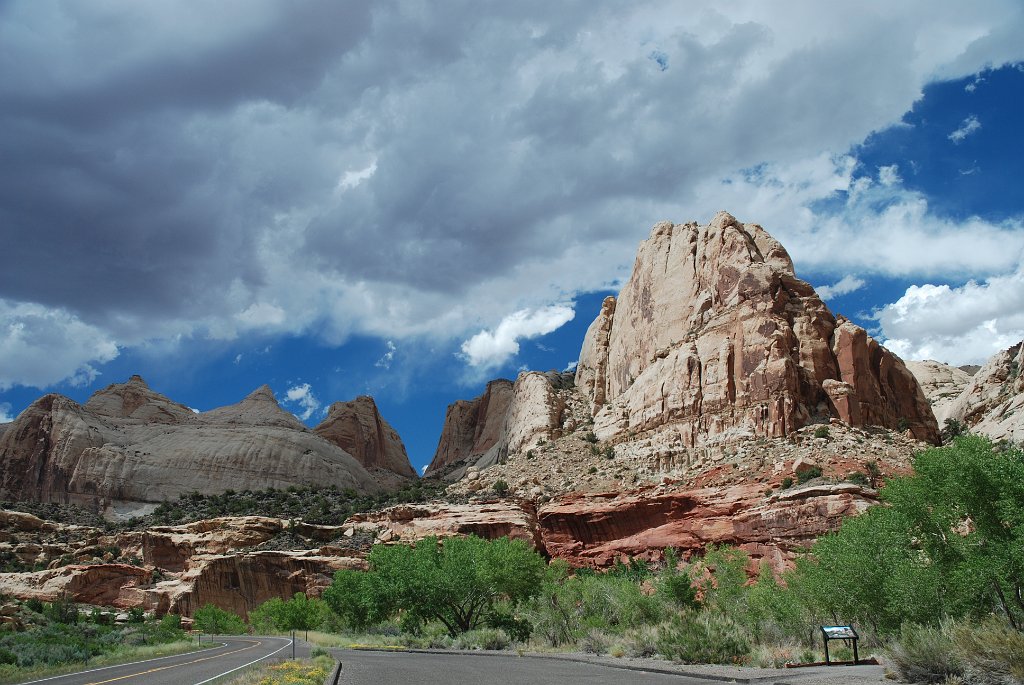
(992, 403)
(358, 428)
(941, 383)
(715, 336)
(472, 427)
(129, 448)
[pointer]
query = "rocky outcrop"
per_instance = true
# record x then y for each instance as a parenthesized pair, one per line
(472, 427)
(716, 338)
(411, 522)
(992, 404)
(172, 568)
(941, 383)
(598, 529)
(129, 448)
(358, 428)
(508, 417)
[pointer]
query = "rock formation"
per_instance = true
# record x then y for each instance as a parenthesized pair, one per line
(473, 427)
(506, 417)
(715, 336)
(358, 428)
(941, 383)
(173, 569)
(129, 448)
(992, 403)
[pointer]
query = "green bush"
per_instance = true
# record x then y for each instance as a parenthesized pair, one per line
(787, 483)
(857, 478)
(500, 487)
(808, 474)
(318, 651)
(590, 437)
(821, 432)
(596, 642)
(706, 637)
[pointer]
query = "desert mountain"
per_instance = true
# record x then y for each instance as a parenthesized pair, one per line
(129, 448)
(941, 383)
(992, 403)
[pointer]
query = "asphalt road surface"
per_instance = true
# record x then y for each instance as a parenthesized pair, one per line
(193, 668)
(400, 668)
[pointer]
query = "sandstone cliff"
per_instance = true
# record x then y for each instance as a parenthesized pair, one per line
(129, 448)
(507, 417)
(941, 383)
(714, 335)
(358, 428)
(992, 403)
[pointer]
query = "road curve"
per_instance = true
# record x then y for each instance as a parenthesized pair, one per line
(194, 668)
(377, 668)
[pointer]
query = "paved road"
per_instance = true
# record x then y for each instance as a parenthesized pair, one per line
(184, 669)
(400, 668)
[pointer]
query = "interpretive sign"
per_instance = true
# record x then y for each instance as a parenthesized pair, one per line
(840, 633)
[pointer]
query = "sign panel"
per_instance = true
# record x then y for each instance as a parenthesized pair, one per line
(839, 632)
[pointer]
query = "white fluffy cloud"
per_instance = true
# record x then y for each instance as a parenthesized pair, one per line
(40, 346)
(396, 171)
(964, 325)
(303, 396)
(844, 286)
(5, 412)
(490, 349)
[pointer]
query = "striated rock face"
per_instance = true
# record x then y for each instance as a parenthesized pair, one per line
(941, 383)
(358, 428)
(129, 448)
(992, 403)
(716, 337)
(472, 427)
(597, 529)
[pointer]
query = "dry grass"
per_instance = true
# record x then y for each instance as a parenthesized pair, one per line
(12, 674)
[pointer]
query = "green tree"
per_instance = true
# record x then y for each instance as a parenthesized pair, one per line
(949, 543)
(297, 613)
(214, 620)
(457, 581)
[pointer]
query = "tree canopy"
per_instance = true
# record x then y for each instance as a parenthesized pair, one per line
(457, 581)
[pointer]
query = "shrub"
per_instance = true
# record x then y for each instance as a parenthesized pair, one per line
(857, 478)
(500, 488)
(821, 432)
(924, 654)
(318, 651)
(678, 589)
(609, 452)
(590, 437)
(596, 642)
(808, 474)
(951, 429)
(991, 653)
(702, 638)
(787, 483)
(642, 642)
(482, 638)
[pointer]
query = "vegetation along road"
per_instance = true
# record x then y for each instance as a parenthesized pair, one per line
(383, 668)
(193, 668)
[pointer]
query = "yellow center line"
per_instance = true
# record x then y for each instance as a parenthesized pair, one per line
(187, 663)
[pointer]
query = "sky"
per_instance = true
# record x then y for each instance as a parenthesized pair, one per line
(407, 199)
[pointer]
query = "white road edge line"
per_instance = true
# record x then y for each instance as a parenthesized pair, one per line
(237, 668)
(106, 668)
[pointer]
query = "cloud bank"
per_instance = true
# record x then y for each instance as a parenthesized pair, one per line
(201, 171)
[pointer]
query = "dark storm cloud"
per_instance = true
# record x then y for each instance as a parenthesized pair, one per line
(398, 168)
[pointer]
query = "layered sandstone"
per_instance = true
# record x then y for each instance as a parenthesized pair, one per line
(714, 337)
(941, 383)
(173, 569)
(992, 403)
(129, 448)
(358, 428)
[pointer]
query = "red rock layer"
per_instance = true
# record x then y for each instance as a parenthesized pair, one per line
(358, 428)
(472, 427)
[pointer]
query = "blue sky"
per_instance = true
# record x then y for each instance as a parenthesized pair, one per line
(218, 198)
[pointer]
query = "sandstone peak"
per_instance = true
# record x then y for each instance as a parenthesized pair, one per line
(358, 428)
(992, 402)
(135, 400)
(263, 394)
(715, 335)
